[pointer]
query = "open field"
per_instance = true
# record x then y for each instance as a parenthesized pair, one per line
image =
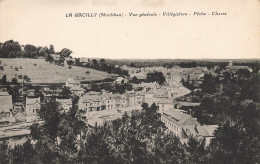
(40, 71)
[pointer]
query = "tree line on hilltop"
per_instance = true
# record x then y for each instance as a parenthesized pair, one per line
(12, 49)
(170, 63)
(102, 65)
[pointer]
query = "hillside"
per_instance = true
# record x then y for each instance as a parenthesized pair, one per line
(40, 71)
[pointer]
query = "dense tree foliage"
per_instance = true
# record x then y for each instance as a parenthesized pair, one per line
(51, 50)
(135, 80)
(65, 52)
(4, 79)
(57, 140)
(209, 84)
(236, 111)
(101, 65)
(12, 49)
(65, 93)
(49, 58)
(138, 138)
(115, 88)
(29, 47)
(43, 51)
(155, 76)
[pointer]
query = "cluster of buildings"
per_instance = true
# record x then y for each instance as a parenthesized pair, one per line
(177, 121)
(175, 74)
(164, 96)
(141, 73)
(75, 86)
(148, 93)
(185, 126)
(9, 110)
(6, 107)
(26, 112)
(232, 68)
(28, 104)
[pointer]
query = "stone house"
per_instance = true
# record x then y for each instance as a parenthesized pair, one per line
(33, 105)
(65, 104)
(179, 123)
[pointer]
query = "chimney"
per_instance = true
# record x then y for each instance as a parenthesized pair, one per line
(103, 91)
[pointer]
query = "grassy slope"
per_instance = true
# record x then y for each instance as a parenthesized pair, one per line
(40, 71)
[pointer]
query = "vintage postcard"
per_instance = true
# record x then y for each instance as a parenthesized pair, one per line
(130, 81)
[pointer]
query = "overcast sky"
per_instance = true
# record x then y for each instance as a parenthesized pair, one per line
(43, 22)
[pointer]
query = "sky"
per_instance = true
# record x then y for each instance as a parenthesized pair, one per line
(44, 22)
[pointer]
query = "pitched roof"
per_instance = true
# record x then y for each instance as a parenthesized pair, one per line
(64, 101)
(148, 85)
(165, 101)
(130, 93)
(149, 92)
(32, 100)
(91, 98)
(176, 114)
(119, 79)
(107, 96)
(189, 121)
(119, 96)
(71, 80)
(136, 86)
(190, 130)
(198, 71)
(161, 93)
(4, 94)
(97, 97)
(5, 102)
(181, 118)
(77, 88)
(93, 93)
(206, 130)
(139, 93)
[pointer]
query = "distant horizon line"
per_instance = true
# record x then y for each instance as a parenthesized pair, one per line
(170, 58)
(151, 59)
(133, 58)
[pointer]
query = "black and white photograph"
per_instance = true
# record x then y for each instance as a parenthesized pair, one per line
(129, 82)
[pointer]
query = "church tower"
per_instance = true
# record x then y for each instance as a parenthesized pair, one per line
(230, 63)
